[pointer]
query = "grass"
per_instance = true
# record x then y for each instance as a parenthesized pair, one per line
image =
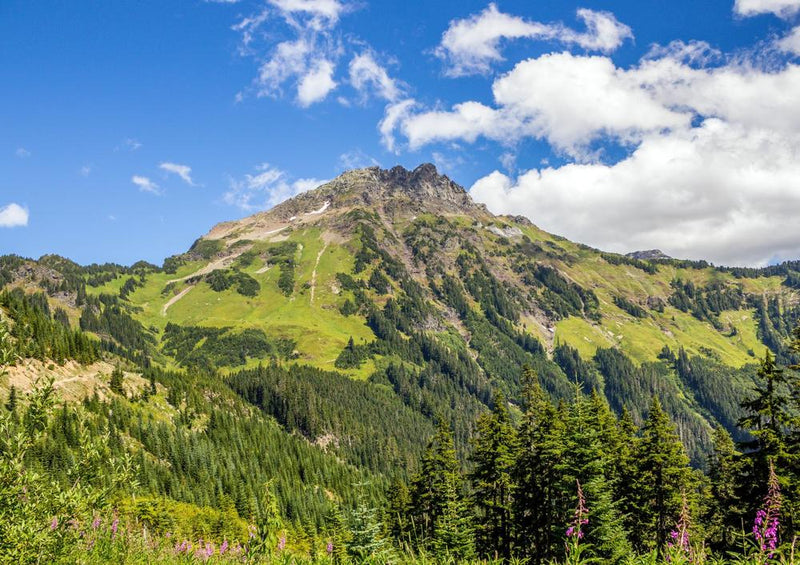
(320, 331)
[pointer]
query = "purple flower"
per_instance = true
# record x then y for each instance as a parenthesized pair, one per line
(54, 523)
(209, 549)
(114, 526)
(96, 522)
(329, 547)
(223, 548)
(282, 543)
(767, 522)
(581, 518)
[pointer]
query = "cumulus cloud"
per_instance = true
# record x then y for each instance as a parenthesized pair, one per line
(306, 60)
(316, 84)
(791, 43)
(183, 171)
(710, 148)
(145, 184)
(265, 188)
(13, 215)
(22, 153)
(567, 99)
(368, 77)
(394, 115)
(722, 192)
(471, 45)
(300, 49)
(781, 8)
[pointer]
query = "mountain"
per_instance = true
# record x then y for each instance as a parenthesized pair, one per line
(428, 304)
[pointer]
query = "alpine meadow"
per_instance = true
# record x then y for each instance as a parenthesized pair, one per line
(590, 355)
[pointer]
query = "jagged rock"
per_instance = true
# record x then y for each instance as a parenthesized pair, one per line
(648, 255)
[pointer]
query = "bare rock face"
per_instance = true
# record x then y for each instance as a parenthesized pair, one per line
(396, 192)
(648, 255)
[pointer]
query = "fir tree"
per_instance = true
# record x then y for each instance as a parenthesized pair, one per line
(437, 502)
(492, 486)
(117, 376)
(663, 475)
(13, 400)
(538, 507)
(725, 514)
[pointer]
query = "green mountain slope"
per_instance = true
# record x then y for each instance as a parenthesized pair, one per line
(399, 279)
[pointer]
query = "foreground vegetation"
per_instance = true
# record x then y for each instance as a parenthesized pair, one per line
(566, 483)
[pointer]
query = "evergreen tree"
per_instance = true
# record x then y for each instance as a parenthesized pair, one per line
(492, 486)
(589, 437)
(396, 514)
(663, 475)
(117, 376)
(440, 512)
(13, 400)
(725, 514)
(538, 506)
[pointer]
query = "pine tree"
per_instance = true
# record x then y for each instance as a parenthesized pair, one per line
(13, 400)
(663, 475)
(492, 486)
(725, 514)
(538, 506)
(115, 383)
(588, 426)
(396, 515)
(437, 503)
(366, 535)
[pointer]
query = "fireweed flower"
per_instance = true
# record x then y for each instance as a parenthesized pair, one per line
(282, 543)
(96, 522)
(329, 547)
(54, 523)
(223, 548)
(114, 526)
(767, 522)
(680, 535)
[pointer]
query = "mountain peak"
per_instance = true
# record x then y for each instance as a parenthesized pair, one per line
(395, 192)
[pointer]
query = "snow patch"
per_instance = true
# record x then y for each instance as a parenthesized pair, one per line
(321, 210)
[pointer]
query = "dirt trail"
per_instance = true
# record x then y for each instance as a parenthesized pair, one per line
(314, 272)
(174, 299)
(213, 266)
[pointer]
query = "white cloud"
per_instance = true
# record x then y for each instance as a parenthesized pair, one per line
(316, 84)
(791, 43)
(266, 188)
(306, 61)
(781, 8)
(13, 215)
(322, 13)
(22, 153)
(367, 76)
(145, 184)
(85, 171)
(711, 148)
(722, 192)
(183, 171)
(393, 116)
(473, 44)
(128, 144)
(567, 99)
(357, 159)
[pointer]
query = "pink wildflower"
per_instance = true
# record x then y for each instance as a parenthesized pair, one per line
(54, 523)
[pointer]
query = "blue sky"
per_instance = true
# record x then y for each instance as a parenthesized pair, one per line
(127, 129)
